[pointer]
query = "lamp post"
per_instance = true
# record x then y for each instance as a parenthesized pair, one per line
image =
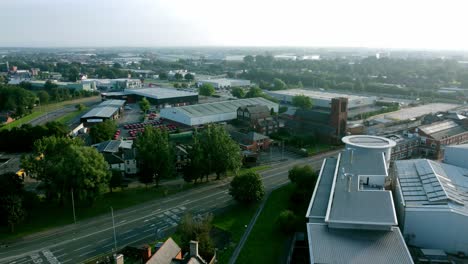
(73, 206)
(113, 226)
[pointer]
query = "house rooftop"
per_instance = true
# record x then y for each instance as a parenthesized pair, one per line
(443, 129)
(330, 245)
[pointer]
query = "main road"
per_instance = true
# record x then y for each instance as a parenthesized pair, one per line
(138, 224)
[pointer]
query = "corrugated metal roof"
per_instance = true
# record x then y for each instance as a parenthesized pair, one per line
(217, 108)
(336, 246)
(105, 109)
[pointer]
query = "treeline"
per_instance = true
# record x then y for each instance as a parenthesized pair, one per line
(53, 92)
(16, 100)
(21, 139)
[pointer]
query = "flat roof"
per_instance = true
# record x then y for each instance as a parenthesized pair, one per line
(317, 94)
(418, 111)
(105, 109)
(319, 202)
(160, 93)
(208, 109)
(352, 204)
(330, 245)
(365, 141)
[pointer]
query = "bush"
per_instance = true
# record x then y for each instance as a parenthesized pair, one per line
(287, 221)
(247, 188)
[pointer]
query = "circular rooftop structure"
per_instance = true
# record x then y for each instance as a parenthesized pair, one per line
(369, 142)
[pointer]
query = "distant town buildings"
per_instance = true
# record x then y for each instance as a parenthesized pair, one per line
(224, 83)
(258, 118)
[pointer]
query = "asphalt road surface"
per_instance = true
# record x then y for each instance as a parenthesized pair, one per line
(52, 115)
(138, 224)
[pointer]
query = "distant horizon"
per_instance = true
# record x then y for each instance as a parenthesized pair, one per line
(375, 24)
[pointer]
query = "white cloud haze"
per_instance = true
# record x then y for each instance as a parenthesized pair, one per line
(341, 23)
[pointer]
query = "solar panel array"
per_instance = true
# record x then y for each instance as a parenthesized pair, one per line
(427, 182)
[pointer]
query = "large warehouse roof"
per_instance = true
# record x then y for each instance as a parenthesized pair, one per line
(317, 94)
(106, 109)
(157, 93)
(223, 107)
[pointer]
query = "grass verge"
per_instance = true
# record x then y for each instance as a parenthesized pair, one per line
(56, 216)
(266, 244)
(70, 116)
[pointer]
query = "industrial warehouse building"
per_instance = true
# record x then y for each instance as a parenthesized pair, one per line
(193, 115)
(157, 96)
(432, 200)
(323, 99)
(224, 83)
(106, 110)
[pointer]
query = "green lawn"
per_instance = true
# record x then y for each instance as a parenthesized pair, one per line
(233, 220)
(56, 216)
(319, 147)
(70, 116)
(41, 110)
(266, 244)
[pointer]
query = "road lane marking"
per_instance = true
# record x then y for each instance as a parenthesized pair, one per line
(102, 240)
(131, 236)
(111, 244)
(58, 250)
(59, 256)
(123, 221)
(65, 261)
(78, 249)
(127, 231)
(152, 225)
(86, 253)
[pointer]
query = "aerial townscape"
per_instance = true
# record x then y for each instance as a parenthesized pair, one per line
(173, 132)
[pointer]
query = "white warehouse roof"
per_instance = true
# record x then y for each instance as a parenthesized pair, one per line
(212, 112)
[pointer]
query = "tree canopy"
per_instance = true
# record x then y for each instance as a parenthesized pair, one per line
(247, 188)
(238, 92)
(144, 105)
(206, 89)
(63, 164)
(302, 101)
(103, 131)
(155, 155)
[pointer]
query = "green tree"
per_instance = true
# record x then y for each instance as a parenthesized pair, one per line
(287, 221)
(279, 84)
(247, 188)
(254, 92)
(206, 89)
(115, 180)
(103, 131)
(189, 77)
(302, 101)
(144, 105)
(12, 205)
(79, 107)
(197, 167)
(304, 179)
(197, 229)
(221, 153)
(63, 164)
(176, 85)
(162, 76)
(238, 92)
(155, 155)
(49, 85)
(178, 76)
(249, 60)
(43, 97)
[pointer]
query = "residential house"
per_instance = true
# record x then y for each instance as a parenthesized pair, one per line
(251, 141)
(169, 252)
(119, 154)
(258, 118)
(407, 146)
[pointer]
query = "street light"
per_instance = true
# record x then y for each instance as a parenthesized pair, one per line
(113, 226)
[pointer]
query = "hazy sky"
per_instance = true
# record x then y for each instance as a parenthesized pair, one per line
(420, 24)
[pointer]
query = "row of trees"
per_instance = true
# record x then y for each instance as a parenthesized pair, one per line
(16, 100)
(213, 151)
(251, 93)
(21, 139)
(65, 165)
